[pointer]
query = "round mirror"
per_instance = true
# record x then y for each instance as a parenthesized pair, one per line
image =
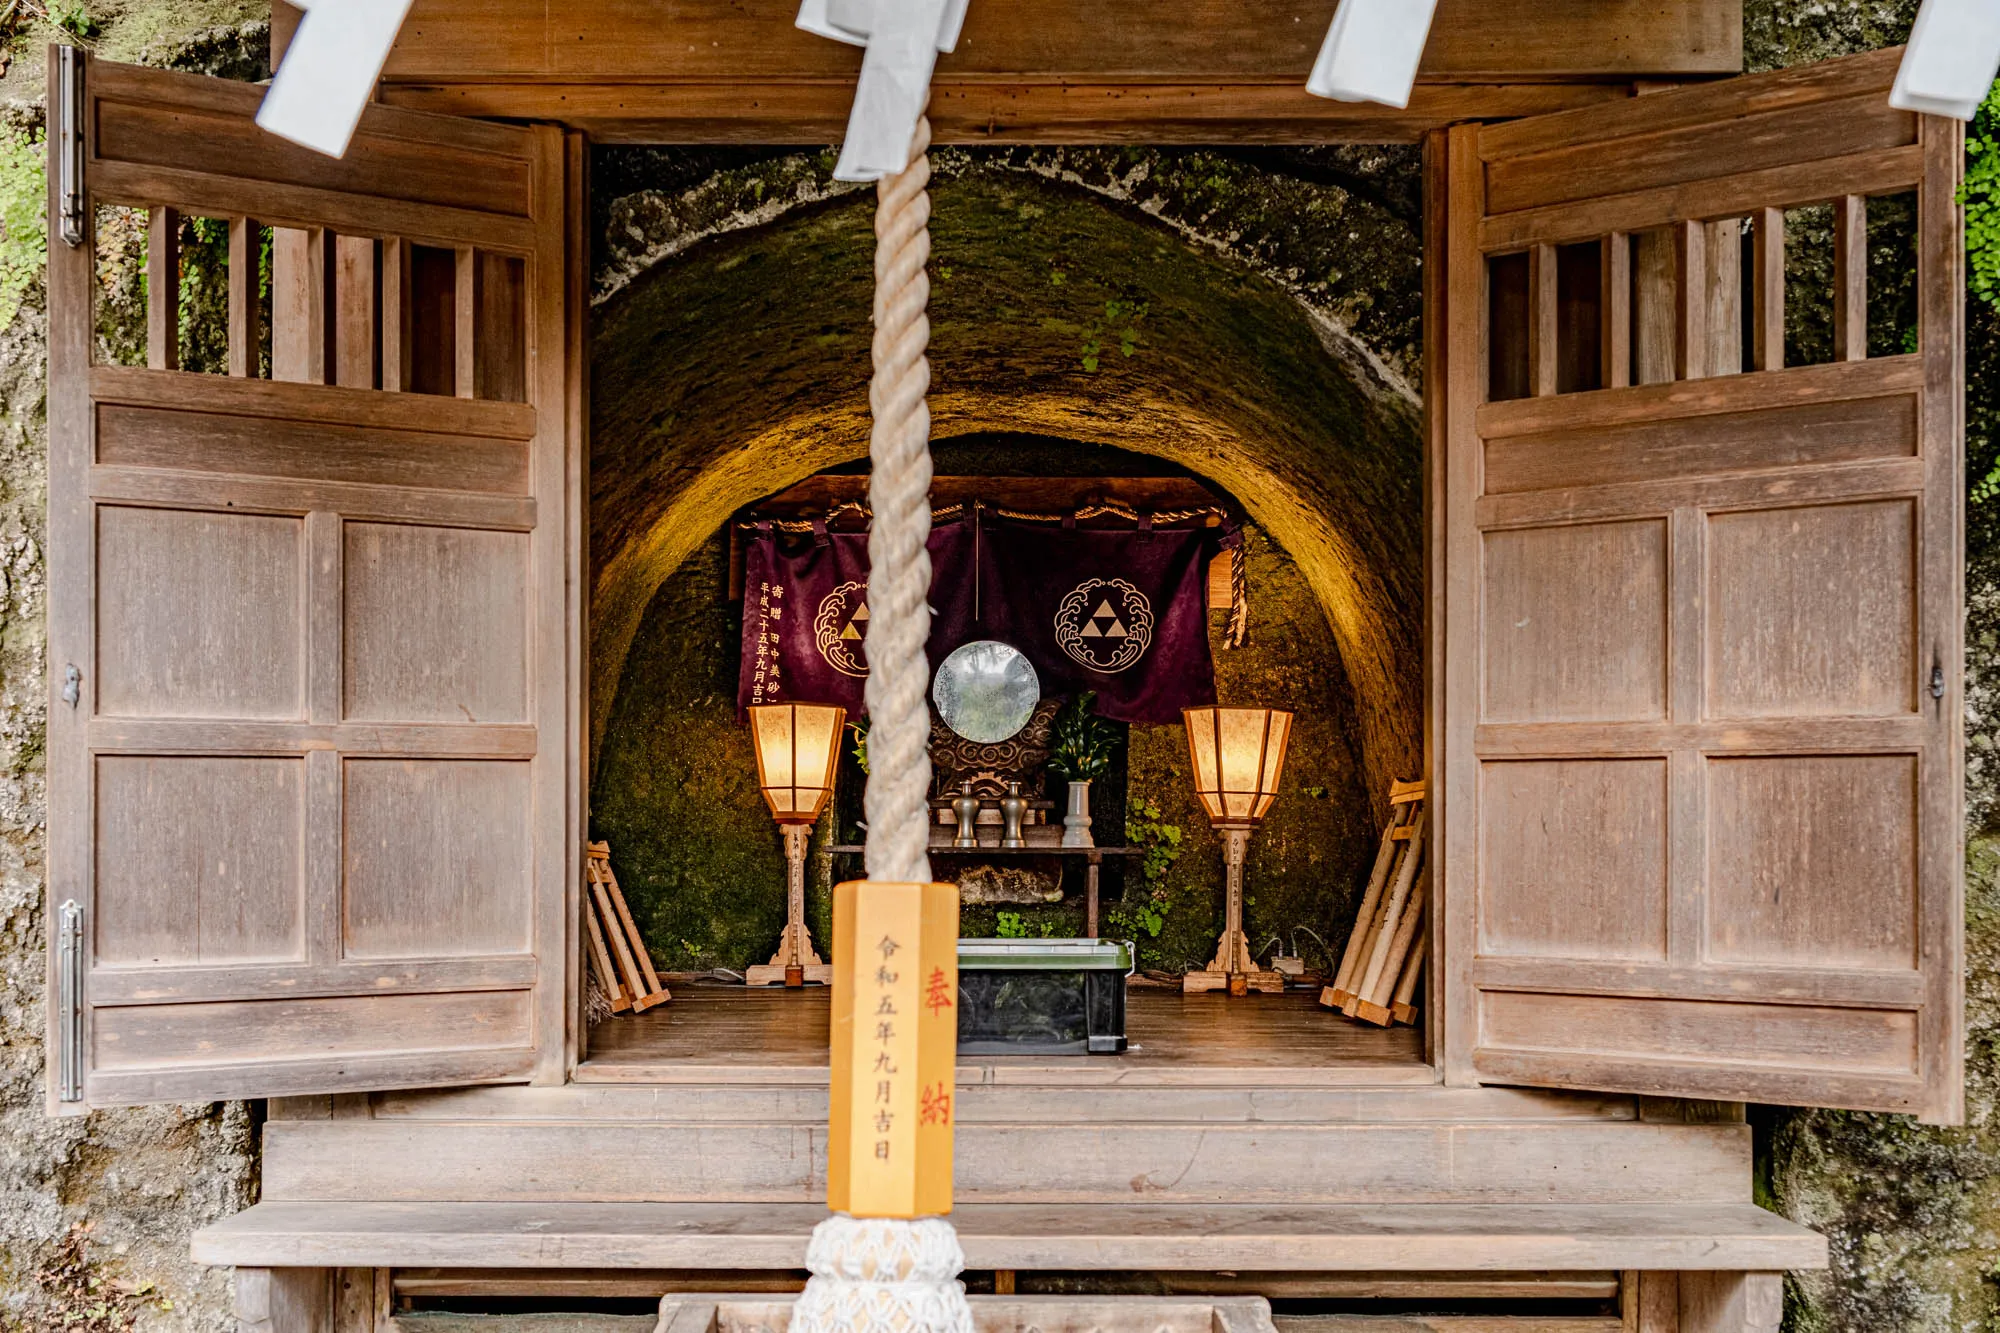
(986, 691)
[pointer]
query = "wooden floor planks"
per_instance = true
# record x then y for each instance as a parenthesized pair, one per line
(732, 1032)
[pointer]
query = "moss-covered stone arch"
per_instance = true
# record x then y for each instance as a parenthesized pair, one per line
(740, 367)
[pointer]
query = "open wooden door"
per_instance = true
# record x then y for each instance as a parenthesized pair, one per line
(310, 754)
(1700, 705)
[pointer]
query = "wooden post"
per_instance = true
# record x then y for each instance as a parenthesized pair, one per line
(796, 962)
(245, 257)
(163, 289)
(1850, 279)
(1731, 1302)
(894, 1049)
(284, 1300)
(1768, 291)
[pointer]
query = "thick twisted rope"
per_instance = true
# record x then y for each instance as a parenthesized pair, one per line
(899, 566)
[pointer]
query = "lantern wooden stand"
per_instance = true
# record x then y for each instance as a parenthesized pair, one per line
(1236, 756)
(798, 752)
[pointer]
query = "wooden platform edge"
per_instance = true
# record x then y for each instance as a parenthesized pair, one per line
(1316, 1238)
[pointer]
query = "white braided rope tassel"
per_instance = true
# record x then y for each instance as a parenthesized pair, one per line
(899, 566)
(895, 1275)
(883, 1275)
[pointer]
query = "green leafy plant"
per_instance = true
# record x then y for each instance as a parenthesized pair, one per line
(1980, 193)
(1146, 826)
(23, 218)
(1081, 742)
(1981, 196)
(1010, 926)
(73, 18)
(860, 751)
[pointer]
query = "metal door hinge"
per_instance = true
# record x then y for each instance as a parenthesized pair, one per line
(69, 998)
(72, 689)
(69, 149)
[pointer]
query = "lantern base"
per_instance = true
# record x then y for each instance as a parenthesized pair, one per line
(1236, 983)
(795, 953)
(796, 963)
(1234, 968)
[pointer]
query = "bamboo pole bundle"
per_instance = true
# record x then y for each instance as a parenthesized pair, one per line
(1384, 907)
(1374, 1004)
(1404, 1010)
(628, 967)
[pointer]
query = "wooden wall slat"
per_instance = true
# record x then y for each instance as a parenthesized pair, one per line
(1542, 302)
(984, 110)
(1862, 480)
(1884, 171)
(1691, 301)
(163, 289)
(245, 304)
(301, 266)
(1877, 378)
(116, 735)
(1658, 157)
(180, 133)
(1838, 987)
(355, 284)
(1810, 433)
(1696, 107)
(215, 194)
(1768, 289)
(1850, 281)
(244, 445)
(270, 495)
(1615, 308)
(165, 985)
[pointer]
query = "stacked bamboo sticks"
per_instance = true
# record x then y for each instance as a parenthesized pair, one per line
(1384, 958)
(624, 970)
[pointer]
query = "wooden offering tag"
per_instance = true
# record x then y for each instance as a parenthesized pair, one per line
(895, 1049)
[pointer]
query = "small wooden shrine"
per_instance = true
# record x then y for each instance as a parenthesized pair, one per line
(1692, 686)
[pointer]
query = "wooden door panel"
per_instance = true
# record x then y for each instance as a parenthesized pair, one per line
(228, 644)
(199, 860)
(1573, 858)
(436, 624)
(1812, 861)
(312, 795)
(438, 858)
(1578, 623)
(1700, 709)
(1812, 611)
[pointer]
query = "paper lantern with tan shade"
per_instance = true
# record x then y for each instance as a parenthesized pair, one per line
(1236, 756)
(798, 753)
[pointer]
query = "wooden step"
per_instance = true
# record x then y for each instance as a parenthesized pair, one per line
(1142, 1236)
(497, 1161)
(1247, 1102)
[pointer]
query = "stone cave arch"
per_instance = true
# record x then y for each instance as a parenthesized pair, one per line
(740, 366)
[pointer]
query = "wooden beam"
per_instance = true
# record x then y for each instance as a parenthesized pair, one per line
(986, 110)
(754, 43)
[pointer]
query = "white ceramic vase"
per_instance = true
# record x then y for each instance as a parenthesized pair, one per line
(1076, 821)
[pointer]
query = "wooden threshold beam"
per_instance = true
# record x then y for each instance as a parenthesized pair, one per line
(965, 111)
